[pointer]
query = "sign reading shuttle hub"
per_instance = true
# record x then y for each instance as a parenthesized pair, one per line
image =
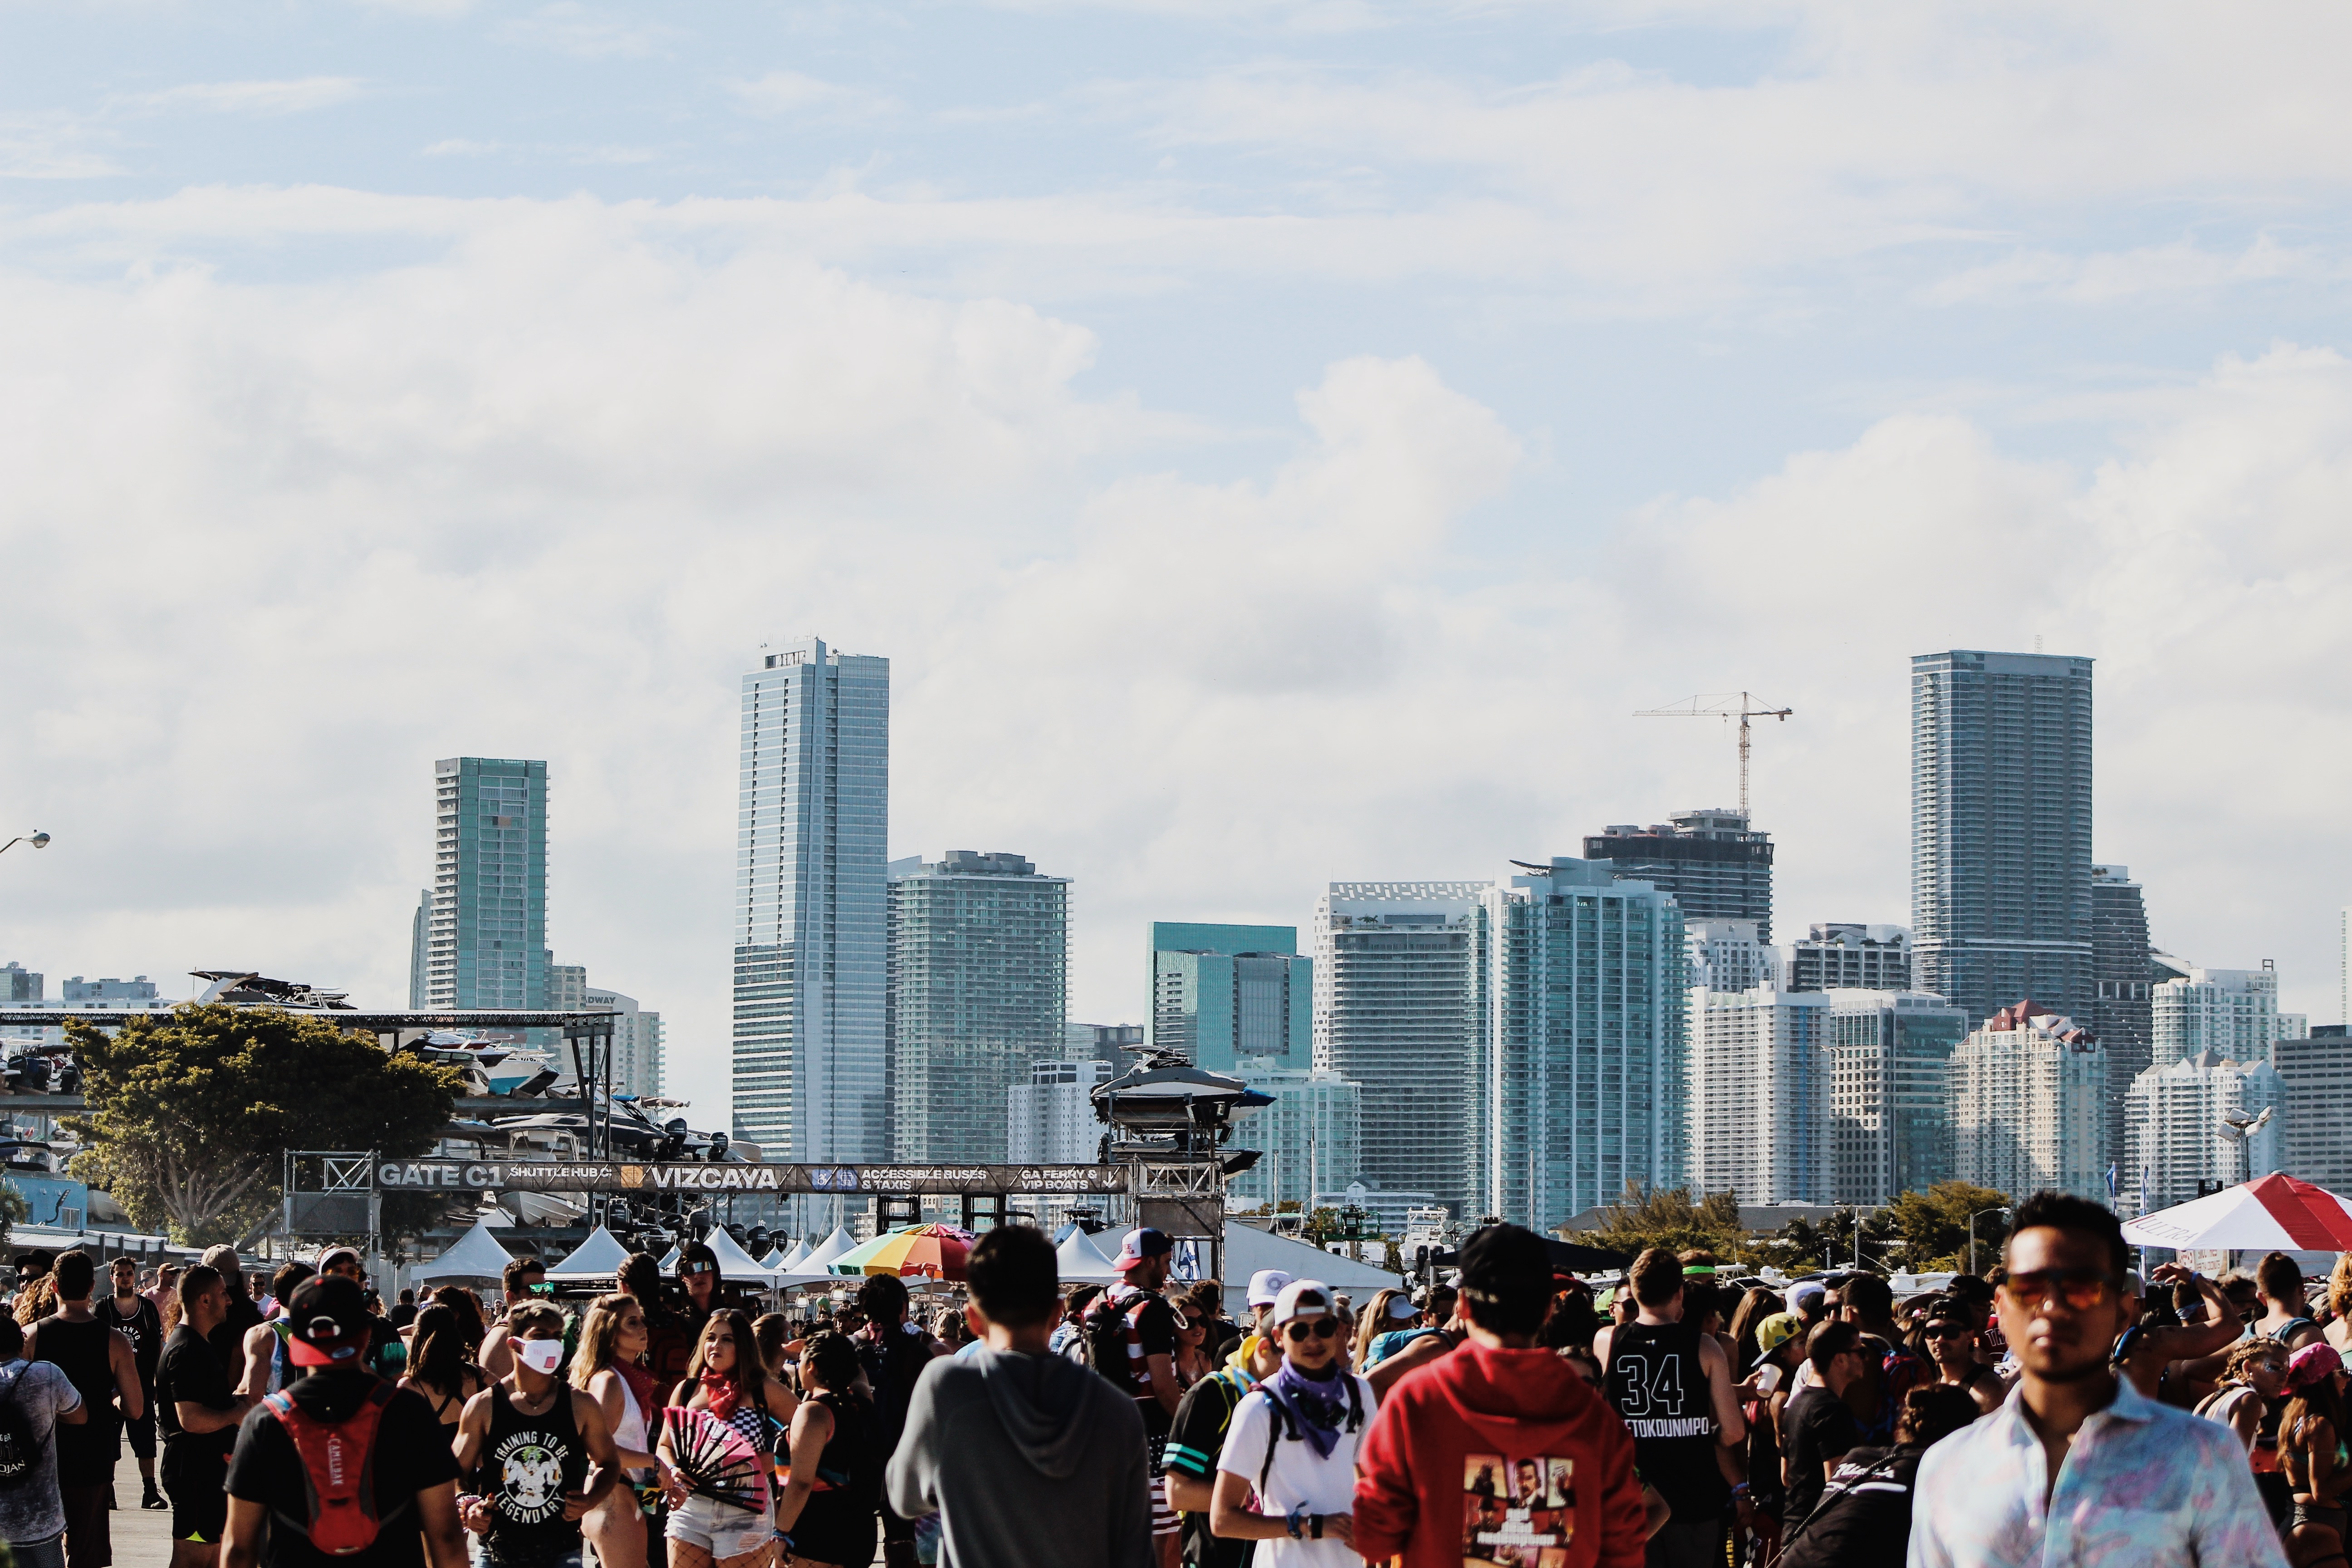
(684, 1176)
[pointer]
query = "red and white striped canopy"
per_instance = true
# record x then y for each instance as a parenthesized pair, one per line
(2272, 1212)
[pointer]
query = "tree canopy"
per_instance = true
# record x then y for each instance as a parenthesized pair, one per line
(190, 1113)
(1668, 1217)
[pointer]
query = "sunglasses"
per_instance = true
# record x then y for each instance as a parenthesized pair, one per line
(2079, 1288)
(1949, 1331)
(1321, 1328)
(697, 1268)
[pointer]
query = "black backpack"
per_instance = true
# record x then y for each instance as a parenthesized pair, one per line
(20, 1451)
(1105, 1328)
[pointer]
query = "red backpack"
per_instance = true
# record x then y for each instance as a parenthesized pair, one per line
(338, 1472)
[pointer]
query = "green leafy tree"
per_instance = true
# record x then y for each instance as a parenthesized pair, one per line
(1668, 1217)
(1933, 1225)
(190, 1114)
(14, 1210)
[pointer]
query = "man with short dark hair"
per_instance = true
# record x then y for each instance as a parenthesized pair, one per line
(239, 1315)
(199, 1416)
(394, 1442)
(520, 1281)
(1471, 1416)
(138, 1319)
(267, 1370)
(104, 1370)
(540, 1450)
(1673, 1387)
(404, 1311)
(2078, 1464)
(1817, 1427)
(1029, 1461)
(2286, 1316)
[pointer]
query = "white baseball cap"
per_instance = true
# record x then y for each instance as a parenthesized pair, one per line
(1289, 1304)
(1266, 1285)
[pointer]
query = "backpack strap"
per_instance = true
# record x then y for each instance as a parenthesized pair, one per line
(1276, 1429)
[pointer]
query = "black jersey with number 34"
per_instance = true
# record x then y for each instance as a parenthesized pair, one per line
(1658, 1385)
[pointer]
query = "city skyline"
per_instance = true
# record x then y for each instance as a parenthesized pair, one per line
(1273, 444)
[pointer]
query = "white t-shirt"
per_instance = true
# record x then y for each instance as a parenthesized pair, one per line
(1324, 1486)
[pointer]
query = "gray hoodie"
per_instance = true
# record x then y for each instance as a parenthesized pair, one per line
(1031, 1461)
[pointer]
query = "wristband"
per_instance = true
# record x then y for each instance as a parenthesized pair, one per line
(1296, 1516)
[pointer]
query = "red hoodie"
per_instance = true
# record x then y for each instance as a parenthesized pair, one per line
(1488, 1456)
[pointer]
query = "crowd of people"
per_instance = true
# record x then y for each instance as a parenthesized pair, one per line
(2057, 1410)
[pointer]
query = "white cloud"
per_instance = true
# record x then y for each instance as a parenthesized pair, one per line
(297, 95)
(543, 493)
(796, 92)
(568, 27)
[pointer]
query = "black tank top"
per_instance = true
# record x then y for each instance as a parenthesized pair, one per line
(528, 1463)
(85, 1452)
(1657, 1383)
(144, 1329)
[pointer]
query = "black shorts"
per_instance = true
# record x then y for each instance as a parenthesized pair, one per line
(142, 1432)
(199, 1513)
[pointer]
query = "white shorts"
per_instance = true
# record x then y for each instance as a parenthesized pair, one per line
(721, 1529)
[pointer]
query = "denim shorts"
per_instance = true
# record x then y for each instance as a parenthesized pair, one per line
(49, 1553)
(721, 1529)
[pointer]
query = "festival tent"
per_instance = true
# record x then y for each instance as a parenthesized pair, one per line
(831, 1248)
(2274, 1212)
(1249, 1249)
(775, 1260)
(476, 1256)
(735, 1265)
(598, 1258)
(1079, 1261)
(797, 1256)
(669, 1264)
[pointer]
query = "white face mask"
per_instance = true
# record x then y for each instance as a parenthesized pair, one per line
(540, 1355)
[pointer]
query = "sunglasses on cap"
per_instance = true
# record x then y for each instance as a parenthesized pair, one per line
(1322, 1328)
(2079, 1288)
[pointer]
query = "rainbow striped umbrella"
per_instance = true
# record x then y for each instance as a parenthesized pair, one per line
(930, 1251)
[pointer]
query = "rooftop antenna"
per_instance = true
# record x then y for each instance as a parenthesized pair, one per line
(1721, 705)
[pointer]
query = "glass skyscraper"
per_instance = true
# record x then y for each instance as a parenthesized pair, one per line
(2000, 830)
(484, 933)
(1716, 866)
(1220, 994)
(1584, 1069)
(811, 1073)
(979, 993)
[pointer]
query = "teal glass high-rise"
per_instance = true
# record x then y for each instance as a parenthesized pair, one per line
(485, 930)
(811, 1080)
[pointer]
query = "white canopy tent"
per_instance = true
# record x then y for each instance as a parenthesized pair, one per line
(598, 1258)
(797, 1256)
(831, 1248)
(476, 1255)
(1079, 1261)
(735, 1265)
(1249, 1249)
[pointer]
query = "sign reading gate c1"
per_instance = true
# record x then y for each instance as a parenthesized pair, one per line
(684, 1176)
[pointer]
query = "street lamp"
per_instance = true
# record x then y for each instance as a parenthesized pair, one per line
(37, 838)
(1973, 1234)
(2240, 1129)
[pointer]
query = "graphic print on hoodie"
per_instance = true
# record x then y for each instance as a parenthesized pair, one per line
(1518, 1513)
(1486, 1457)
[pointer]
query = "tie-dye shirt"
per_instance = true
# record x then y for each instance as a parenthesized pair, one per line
(2143, 1486)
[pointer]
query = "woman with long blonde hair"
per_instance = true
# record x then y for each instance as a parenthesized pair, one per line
(1375, 1322)
(612, 1335)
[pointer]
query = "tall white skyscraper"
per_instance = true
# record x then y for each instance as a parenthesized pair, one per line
(2030, 1105)
(2233, 1012)
(1050, 1119)
(811, 1074)
(1759, 1094)
(2172, 1129)
(1399, 971)
(1586, 1050)
(1727, 955)
(636, 1042)
(484, 942)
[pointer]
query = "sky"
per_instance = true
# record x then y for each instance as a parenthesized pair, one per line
(1274, 443)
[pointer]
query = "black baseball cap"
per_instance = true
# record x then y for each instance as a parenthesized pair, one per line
(330, 1324)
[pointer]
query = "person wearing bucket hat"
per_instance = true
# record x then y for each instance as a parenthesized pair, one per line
(1286, 1477)
(340, 1465)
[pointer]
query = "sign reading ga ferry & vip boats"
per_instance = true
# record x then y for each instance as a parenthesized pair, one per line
(681, 1176)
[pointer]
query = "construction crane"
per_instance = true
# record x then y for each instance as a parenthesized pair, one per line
(1721, 705)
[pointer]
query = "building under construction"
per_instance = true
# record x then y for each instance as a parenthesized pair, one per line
(1714, 868)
